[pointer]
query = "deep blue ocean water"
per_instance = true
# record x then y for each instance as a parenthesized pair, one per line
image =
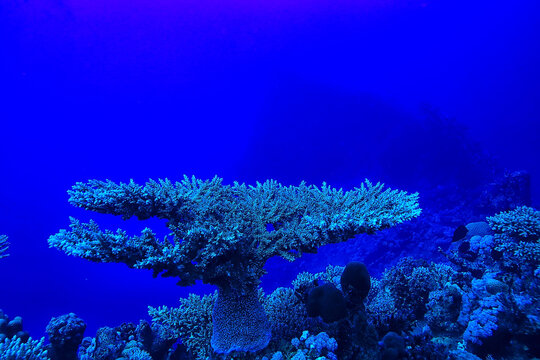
(410, 93)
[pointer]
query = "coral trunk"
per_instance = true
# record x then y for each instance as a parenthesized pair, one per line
(240, 323)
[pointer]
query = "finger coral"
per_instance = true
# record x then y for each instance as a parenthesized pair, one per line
(16, 349)
(223, 235)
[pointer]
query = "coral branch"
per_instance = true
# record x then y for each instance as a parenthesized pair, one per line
(4, 245)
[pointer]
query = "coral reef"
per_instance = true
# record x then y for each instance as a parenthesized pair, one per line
(500, 305)
(445, 207)
(402, 294)
(393, 346)
(480, 301)
(288, 311)
(130, 342)
(223, 235)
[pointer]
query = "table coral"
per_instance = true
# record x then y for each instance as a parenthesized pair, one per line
(223, 235)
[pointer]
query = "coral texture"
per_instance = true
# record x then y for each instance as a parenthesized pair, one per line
(4, 244)
(16, 349)
(191, 322)
(65, 334)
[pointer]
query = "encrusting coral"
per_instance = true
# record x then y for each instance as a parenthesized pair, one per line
(223, 235)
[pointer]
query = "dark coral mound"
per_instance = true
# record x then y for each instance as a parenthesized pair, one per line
(355, 282)
(12, 328)
(327, 302)
(65, 333)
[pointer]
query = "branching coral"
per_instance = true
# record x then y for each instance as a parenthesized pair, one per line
(224, 234)
(522, 222)
(4, 244)
(15, 349)
(411, 280)
(517, 239)
(287, 313)
(305, 281)
(382, 307)
(191, 322)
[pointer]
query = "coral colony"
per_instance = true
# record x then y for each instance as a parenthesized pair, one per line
(221, 236)
(482, 302)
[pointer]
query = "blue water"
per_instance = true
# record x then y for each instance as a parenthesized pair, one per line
(332, 91)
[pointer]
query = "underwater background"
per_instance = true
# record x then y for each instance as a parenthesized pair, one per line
(435, 97)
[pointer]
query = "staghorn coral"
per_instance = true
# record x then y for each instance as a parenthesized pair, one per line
(4, 245)
(221, 235)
